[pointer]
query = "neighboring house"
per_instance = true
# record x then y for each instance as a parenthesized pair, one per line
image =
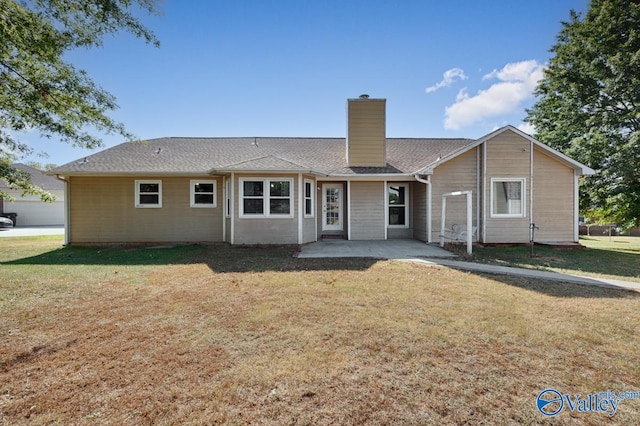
(298, 190)
(30, 209)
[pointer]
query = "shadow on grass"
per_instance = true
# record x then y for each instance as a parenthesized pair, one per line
(219, 258)
(561, 289)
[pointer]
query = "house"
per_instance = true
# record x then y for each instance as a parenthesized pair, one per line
(366, 186)
(30, 209)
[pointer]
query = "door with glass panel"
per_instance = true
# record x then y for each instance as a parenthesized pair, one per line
(332, 216)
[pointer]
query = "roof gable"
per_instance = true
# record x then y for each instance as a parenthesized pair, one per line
(38, 178)
(266, 163)
(583, 169)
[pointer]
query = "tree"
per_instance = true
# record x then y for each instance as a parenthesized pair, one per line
(40, 91)
(588, 106)
(42, 167)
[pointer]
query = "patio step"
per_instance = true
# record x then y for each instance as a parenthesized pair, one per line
(332, 237)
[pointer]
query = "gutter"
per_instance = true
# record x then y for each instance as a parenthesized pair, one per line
(428, 183)
(67, 210)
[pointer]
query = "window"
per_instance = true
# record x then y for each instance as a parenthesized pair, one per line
(148, 193)
(398, 205)
(507, 197)
(308, 198)
(228, 198)
(266, 197)
(203, 193)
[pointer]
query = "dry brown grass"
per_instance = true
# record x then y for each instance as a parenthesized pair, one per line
(235, 336)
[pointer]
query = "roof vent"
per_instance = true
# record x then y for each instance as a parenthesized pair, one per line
(364, 96)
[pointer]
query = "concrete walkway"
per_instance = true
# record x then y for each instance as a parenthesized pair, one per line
(31, 231)
(533, 273)
(389, 249)
(433, 255)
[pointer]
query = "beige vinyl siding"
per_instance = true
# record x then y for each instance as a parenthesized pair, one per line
(508, 156)
(268, 230)
(553, 199)
(103, 211)
(367, 210)
(366, 133)
(458, 174)
(419, 211)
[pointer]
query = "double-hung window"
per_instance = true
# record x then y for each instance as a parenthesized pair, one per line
(266, 197)
(308, 198)
(507, 197)
(203, 193)
(398, 195)
(148, 193)
(227, 205)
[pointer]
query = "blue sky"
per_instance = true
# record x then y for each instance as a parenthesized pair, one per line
(285, 68)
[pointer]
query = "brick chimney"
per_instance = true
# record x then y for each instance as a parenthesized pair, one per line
(366, 132)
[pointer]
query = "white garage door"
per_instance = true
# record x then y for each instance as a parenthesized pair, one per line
(36, 213)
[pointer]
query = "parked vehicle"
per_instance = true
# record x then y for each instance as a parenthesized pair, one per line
(5, 222)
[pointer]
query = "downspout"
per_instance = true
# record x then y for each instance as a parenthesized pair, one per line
(224, 208)
(576, 206)
(301, 208)
(67, 211)
(427, 182)
(232, 237)
(478, 192)
(484, 192)
(385, 197)
(531, 218)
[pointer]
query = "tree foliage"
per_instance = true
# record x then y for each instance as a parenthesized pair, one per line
(588, 106)
(41, 91)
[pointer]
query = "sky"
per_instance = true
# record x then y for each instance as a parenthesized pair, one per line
(249, 68)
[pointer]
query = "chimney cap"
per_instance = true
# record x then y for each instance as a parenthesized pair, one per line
(364, 96)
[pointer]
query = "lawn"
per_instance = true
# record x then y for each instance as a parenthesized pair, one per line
(616, 257)
(229, 335)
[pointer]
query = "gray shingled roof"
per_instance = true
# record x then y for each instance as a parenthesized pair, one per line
(210, 155)
(38, 178)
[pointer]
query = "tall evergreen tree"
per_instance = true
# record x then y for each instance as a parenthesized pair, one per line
(588, 106)
(41, 91)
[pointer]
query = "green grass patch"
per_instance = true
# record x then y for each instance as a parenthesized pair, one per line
(617, 258)
(251, 335)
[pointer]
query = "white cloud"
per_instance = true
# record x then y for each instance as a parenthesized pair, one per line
(516, 84)
(527, 128)
(448, 78)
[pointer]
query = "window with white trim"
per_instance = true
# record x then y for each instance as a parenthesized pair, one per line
(203, 193)
(508, 197)
(228, 199)
(266, 197)
(308, 198)
(398, 196)
(148, 193)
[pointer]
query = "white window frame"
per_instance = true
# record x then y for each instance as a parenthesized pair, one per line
(405, 205)
(139, 182)
(227, 203)
(523, 196)
(266, 197)
(311, 198)
(193, 192)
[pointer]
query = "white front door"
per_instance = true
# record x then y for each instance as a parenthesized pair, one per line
(332, 217)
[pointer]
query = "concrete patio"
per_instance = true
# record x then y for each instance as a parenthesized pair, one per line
(389, 249)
